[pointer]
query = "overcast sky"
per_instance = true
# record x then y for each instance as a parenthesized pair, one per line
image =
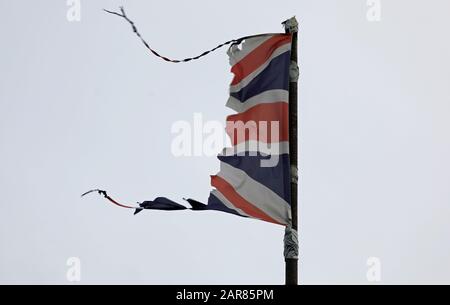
(84, 105)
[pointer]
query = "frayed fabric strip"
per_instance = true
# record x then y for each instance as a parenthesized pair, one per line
(135, 30)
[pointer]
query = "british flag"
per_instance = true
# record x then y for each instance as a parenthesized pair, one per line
(254, 176)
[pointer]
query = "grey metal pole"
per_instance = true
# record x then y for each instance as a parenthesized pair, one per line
(291, 239)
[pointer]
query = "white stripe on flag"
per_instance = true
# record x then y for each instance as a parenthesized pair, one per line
(236, 54)
(248, 147)
(266, 97)
(227, 203)
(259, 195)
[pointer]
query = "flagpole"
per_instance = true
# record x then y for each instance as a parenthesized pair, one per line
(291, 237)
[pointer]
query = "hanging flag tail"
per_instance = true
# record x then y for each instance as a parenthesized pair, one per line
(113, 201)
(159, 203)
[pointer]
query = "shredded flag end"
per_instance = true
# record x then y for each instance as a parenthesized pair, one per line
(138, 210)
(135, 30)
(104, 194)
(196, 205)
(91, 191)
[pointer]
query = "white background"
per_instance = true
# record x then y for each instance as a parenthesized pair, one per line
(83, 105)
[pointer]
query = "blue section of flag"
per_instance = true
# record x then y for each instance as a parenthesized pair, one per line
(162, 203)
(215, 204)
(274, 76)
(276, 178)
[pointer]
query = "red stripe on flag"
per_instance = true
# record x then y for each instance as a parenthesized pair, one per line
(256, 124)
(238, 201)
(257, 57)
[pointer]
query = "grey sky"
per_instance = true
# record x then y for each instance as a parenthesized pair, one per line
(83, 104)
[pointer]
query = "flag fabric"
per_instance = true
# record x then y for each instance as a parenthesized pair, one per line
(254, 177)
(259, 93)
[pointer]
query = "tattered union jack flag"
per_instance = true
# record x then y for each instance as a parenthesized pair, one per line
(254, 177)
